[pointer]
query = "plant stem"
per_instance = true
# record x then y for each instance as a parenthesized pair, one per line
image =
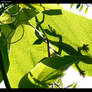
(48, 47)
(3, 72)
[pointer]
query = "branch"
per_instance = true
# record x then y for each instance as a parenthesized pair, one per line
(3, 72)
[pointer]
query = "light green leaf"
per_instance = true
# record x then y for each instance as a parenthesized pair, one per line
(23, 54)
(86, 10)
(81, 7)
(47, 71)
(71, 5)
(75, 85)
(13, 10)
(70, 85)
(71, 30)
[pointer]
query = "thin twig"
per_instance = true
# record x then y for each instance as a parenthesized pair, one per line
(48, 47)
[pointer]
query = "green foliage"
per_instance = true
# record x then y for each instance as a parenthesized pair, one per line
(73, 85)
(4, 60)
(86, 10)
(80, 7)
(27, 27)
(71, 5)
(48, 70)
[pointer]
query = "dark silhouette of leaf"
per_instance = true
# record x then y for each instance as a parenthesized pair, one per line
(78, 5)
(53, 12)
(38, 41)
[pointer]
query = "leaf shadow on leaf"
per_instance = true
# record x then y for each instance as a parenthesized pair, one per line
(24, 16)
(73, 54)
(38, 26)
(26, 83)
(53, 12)
(62, 65)
(70, 50)
(61, 45)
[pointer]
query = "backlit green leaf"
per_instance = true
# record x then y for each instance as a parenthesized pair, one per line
(86, 10)
(66, 32)
(23, 54)
(48, 70)
(81, 7)
(72, 32)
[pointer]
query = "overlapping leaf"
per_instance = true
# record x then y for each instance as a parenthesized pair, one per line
(74, 32)
(70, 30)
(47, 71)
(23, 54)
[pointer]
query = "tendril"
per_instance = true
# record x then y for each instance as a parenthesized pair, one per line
(19, 38)
(16, 40)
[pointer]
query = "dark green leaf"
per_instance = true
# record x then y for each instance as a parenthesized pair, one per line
(24, 15)
(52, 68)
(53, 12)
(38, 41)
(4, 56)
(13, 10)
(78, 5)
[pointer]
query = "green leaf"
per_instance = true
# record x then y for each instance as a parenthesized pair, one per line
(23, 54)
(40, 7)
(8, 30)
(48, 70)
(70, 85)
(6, 19)
(86, 10)
(71, 5)
(53, 12)
(13, 10)
(75, 85)
(24, 15)
(71, 32)
(81, 7)
(78, 5)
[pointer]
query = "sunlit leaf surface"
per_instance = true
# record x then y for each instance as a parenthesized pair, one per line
(66, 32)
